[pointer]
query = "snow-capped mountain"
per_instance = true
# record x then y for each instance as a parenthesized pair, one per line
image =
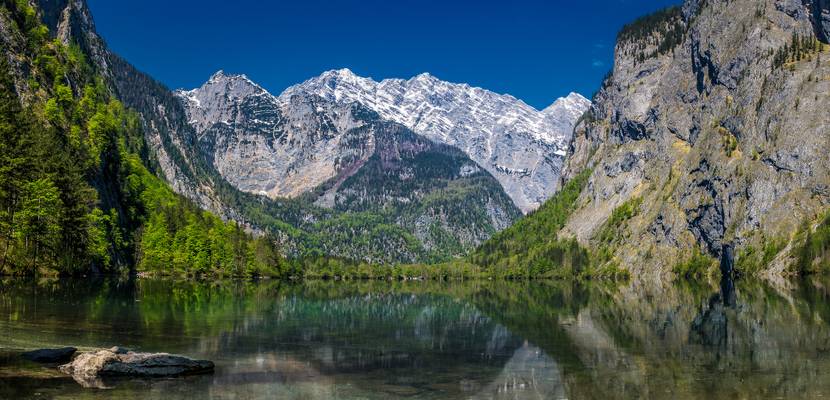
(523, 148)
(344, 166)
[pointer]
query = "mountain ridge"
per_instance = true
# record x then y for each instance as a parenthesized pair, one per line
(345, 160)
(522, 147)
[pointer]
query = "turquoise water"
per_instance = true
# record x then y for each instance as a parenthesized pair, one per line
(426, 340)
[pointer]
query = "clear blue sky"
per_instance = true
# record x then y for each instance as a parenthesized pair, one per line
(536, 50)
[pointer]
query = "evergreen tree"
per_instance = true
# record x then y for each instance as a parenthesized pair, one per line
(39, 221)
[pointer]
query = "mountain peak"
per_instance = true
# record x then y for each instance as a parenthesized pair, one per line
(332, 85)
(342, 74)
(220, 92)
(572, 103)
(222, 76)
(573, 96)
(234, 85)
(523, 147)
(425, 76)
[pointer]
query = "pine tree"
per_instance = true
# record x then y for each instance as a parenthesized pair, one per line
(40, 221)
(16, 131)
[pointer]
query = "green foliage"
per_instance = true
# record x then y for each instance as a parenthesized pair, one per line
(698, 267)
(800, 48)
(664, 30)
(342, 269)
(531, 248)
(813, 254)
(101, 226)
(728, 141)
(27, 21)
(35, 184)
(53, 112)
(75, 195)
(610, 232)
(609, 272)
(38, 220)
(178, 238)
(751, 260)
(526, 250)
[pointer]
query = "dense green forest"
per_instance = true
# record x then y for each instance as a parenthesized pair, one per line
(532, 247)
(75, 188)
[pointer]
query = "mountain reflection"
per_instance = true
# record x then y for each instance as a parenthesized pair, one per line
(490, 340)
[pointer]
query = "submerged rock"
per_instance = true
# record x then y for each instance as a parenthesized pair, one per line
(87, 368)
(50, 355)
(155, 365)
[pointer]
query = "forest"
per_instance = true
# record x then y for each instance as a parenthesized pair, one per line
(77, 192)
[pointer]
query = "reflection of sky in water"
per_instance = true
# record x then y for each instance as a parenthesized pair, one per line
(429, 341)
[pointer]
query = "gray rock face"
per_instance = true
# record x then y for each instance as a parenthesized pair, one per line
(268, 147)
(730, 148)
(523, 148)
(819, 11)
(87, 368)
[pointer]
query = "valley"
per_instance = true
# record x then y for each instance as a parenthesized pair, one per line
(338, 236)
(695, 143)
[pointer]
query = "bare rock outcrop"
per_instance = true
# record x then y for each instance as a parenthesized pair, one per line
(711, 121)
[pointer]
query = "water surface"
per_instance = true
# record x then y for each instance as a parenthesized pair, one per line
(426, 340)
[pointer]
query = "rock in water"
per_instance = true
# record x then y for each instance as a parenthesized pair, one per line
(61, 355)
(87, 368)
(155, 365)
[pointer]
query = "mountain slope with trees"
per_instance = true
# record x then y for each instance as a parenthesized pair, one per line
(364, 188)
(76, 190)
(157, 227)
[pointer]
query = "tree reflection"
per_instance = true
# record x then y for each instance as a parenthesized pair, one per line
(487, 339)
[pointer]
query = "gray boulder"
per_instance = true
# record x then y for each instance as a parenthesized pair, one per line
(61, 355)
(87, 368)
(157, 365)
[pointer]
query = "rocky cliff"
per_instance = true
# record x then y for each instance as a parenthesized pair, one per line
(712, 130)
(266, 147)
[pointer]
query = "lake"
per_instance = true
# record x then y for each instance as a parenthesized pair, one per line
(428, 340)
